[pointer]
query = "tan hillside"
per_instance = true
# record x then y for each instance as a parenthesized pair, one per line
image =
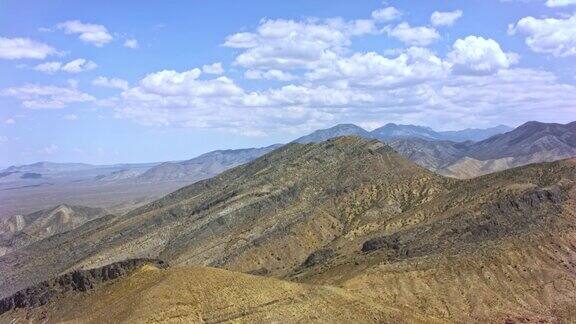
(353, 214)
(208, 295)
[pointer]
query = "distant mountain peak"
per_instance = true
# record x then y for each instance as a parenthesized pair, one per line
(391, 131)
(335, 131)
(394, 125)
(346, 125)
(203, 166)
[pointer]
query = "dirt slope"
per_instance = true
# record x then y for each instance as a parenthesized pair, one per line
(354, 214)
(208, 295)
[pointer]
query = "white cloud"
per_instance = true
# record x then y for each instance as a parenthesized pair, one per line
(308, 96)
(415, 36)
(269, 75)
(414, 87)
(49, 67)
(386, 14)
(75, 66)
(10, 121)
(24, 48)
(415, 65)
(109, 102)
(548, 35)
(172, 83)
(46, 97)
(3, 139)
(70, 117)
(510, 96)
(477, 55)
(215, 68)
(94, 34)
(115, 83)
(287, 44)
(182, 99)
(179, 98)
(507, 96)
(131, 43)
(78, 65)
(560, 3)
(326, 83)
(445, 18)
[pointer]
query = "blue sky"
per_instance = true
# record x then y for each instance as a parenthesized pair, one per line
(135, 81)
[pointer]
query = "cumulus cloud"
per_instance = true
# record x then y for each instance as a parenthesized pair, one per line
(179, 98)
(10, 121)
(35, 96)
(183, 99)
(49, 67)
(24, 48)
(75, 66)
(94, 34)
(115, 83)
(131, 43)
(386, 14)
(414, 36)
(287, 44)
(560, 3)
(445, 18)
(172, 83)
(548, 35)
(477, 55)
(78, 65)
(374, 70)
(325, 82)
(269, 75)
(215, 68)
(511, 95)
(70, 117)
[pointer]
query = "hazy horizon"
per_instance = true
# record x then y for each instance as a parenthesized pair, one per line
(201, 153)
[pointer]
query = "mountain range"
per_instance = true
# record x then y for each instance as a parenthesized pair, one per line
(395, 131)
(348, 228)
(531, 142)
(118, 188)
(212, 163)
(122, 187)
(204, 166)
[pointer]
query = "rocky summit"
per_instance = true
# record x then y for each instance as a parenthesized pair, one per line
(338, 231)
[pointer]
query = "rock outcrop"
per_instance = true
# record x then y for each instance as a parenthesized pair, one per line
(79, 280)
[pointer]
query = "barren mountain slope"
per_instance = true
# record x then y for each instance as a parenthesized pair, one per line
(352, 213)
(204, 166)
(532, 142)
(209, 295)
(264, 217)
(495, 248)
(19, 231)
(432, 155)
